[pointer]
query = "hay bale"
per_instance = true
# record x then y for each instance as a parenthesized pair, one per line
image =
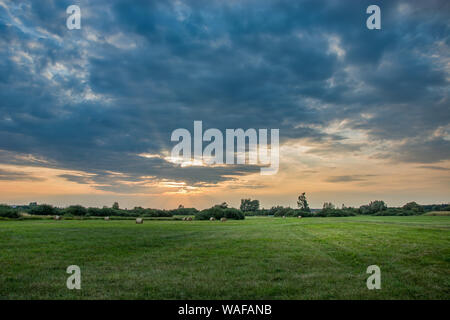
(223, 219)
(189, 218)
(299, 217)
(57, 218)
(106, 218)
(212, 219)
(139, 220)
(284, 217)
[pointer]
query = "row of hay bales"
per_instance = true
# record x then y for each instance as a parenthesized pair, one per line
(60, 218)
(141, 220)
(210, 219)
(221, 219)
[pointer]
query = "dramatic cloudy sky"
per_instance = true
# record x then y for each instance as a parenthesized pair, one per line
(86, 115)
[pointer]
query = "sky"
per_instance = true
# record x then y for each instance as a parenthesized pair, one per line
(86, 115)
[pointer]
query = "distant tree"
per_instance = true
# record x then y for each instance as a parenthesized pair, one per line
(223, 205)
(181, 210)
(76, 210)
(43, 209)
(328, 206)
(364, 209)
(303, 203)
(245, 204)
(249, 205)
(219, 212)
(413, 206)
(115, 205)
(377, 206)
(373, 207)
(275, 209)
(8, 211)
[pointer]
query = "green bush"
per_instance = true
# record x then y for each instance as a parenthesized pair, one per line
(43, 210)
(413, 206)
(397, 212)
(183, 211)
(155, 213)
(76, 210)
(347, 212)
(97, 212)
(288, 212)
(280, 211)
(259, 212)
(373, 207)
(136, 212)
(436, 207)
(8, 212)
(217, 212)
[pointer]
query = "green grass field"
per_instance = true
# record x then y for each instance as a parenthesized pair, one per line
(257, 258)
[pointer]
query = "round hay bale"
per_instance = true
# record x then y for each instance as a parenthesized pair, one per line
(106, 218)
(139, 220)
(57, 218)
(284, 217)
(223, 219)
(212, 219)
(189, 218)
(299, 217)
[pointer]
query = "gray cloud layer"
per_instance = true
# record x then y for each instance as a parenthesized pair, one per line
(93, 99)
(17, 176)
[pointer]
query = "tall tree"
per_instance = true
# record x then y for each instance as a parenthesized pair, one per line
(413, 206)
(303, 203)
(249, 205)
(328, 206)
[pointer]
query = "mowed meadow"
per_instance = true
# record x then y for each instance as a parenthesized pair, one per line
(255, 258)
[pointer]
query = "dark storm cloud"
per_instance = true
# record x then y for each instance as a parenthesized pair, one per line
(430, 151)
(77, 179)
(92, 99)
(336, 147)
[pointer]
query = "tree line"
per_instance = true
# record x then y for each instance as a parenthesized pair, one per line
(248, 207)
